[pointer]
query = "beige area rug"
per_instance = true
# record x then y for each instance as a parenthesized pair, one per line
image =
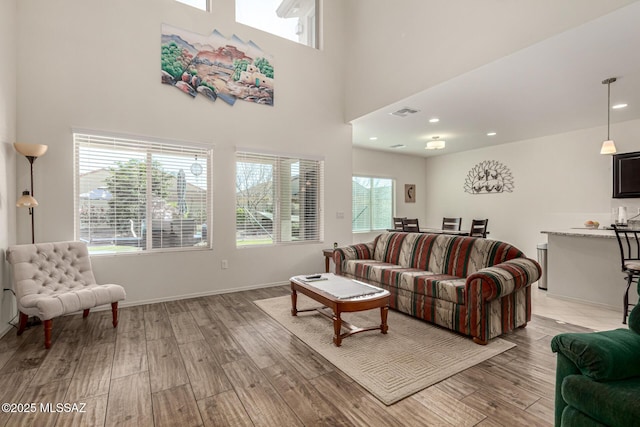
(412, 356)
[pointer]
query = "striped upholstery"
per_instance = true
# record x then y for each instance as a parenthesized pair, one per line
(479, 287)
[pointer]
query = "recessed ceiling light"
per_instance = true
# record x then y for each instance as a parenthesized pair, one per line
(397, 146)
(373, 138)
(491, 134)
(434, 120)
(618, 106)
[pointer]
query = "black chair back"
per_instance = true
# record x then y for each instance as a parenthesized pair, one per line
(479, 228)
(451, 224)
(629, 244)
(397, 223)
(410, 224)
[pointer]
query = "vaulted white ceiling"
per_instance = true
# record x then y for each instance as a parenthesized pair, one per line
(551, 87)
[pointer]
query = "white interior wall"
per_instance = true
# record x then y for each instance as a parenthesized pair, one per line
(405, 170)
(8, 51)
(98, 67)
(560, 182)
(399, 48)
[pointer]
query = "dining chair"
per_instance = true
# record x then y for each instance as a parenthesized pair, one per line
(629, 244)
(451, 223)
(479, 228)
(397, 223)
(410, 224)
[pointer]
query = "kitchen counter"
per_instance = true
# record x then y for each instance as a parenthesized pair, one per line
(603, 233)
(584, 264)
(583, 232)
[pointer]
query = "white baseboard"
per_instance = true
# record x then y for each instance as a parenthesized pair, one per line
(194, 295)
(5, 328)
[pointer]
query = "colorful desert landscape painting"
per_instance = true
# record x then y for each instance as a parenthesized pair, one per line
(216, 67)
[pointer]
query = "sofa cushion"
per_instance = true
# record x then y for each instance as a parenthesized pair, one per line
(614, 403)
(602, 356)
(571, 417)
(439, 286)
(440, 253)
(634, 319)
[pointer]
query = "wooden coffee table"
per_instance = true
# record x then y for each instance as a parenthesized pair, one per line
(341, 295)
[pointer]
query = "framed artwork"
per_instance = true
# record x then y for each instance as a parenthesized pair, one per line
(409, 193)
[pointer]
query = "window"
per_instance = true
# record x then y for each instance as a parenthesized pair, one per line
(136, 195)
(198, 4)
(295, 20)
(372, 203)
(278, 199)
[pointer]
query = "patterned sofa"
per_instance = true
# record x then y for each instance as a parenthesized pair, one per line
(475, 286)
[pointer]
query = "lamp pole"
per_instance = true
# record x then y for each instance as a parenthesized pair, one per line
(33, 233)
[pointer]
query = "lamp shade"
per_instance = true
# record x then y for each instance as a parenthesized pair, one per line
(30, 150)
(26, 201)
(608, 147)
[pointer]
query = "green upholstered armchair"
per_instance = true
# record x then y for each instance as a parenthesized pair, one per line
(598, 377)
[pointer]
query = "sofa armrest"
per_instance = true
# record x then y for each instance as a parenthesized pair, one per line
(505, 278)
(603, 356)
(358, 251)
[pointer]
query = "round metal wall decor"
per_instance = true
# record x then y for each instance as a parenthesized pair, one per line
(487, 177)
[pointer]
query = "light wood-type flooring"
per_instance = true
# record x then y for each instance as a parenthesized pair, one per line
(220, 361)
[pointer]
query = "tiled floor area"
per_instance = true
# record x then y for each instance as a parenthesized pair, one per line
(587, 315)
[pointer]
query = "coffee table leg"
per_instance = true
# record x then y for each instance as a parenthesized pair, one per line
(383, 317)
(294, 302)
(337, 327)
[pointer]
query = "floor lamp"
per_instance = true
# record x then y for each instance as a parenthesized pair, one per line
(31, 152)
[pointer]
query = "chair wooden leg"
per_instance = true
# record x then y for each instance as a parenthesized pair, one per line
(85, 313)
(48, 325)
(22, 323)
(114, 311)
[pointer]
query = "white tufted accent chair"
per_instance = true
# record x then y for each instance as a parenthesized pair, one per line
(54, 279)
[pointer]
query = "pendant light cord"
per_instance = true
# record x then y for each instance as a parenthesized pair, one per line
(608, 108)
(608, 83)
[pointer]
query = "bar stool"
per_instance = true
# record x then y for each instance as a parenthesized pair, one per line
(629, 243)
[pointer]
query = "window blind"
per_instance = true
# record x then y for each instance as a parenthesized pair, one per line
(134, 195)
(372, 203)
(278, 199)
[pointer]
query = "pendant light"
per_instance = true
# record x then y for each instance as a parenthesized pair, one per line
(436, 144)
(608, 146)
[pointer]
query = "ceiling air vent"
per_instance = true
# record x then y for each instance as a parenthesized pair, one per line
(397, 146)
(404, 112)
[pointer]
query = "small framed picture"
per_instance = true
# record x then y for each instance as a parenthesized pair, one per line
(409, 193)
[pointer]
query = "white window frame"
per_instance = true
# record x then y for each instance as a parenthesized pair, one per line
(282, 224)
(148, 147)
(194, 5)
(308, 27)
(372, 203)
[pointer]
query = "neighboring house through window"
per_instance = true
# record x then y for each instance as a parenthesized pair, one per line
(372, 200)
(278, 199)
(134, 194)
